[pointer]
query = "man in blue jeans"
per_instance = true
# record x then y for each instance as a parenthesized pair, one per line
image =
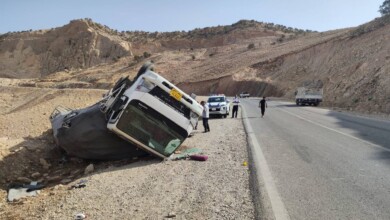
(205, 116)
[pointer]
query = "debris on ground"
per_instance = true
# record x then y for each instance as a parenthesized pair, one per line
(171, 215)
(89, 169)
(16, 194)
(18, 191)
(80, 216)
(199, 157)
(182, 155)
(80, 184)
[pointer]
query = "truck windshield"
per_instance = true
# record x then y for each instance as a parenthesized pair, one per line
(151, 128)
(312, 92)
(216, 99)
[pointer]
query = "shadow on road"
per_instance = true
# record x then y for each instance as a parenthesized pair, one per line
(251, 117)
(383, 155)
(292, 105)
(215, 117)
(371, 130)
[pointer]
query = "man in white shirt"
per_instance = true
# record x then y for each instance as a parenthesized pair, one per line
(205, 116)
(236, 100)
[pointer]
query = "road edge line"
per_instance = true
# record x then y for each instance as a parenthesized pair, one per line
(262, 175)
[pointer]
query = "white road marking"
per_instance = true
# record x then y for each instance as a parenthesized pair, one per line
(334, 130)
(278, 208)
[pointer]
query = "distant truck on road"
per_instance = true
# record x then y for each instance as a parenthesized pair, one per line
(309, 96)
(244, 95)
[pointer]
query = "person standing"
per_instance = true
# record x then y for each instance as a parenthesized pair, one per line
(236, 100)
(205, 116)
(263, 105)
(194, 97)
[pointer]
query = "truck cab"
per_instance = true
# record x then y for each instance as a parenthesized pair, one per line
(151, 113)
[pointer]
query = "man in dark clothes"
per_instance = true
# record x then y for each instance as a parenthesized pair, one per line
(263, 105)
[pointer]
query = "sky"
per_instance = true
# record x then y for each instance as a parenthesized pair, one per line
(178, 15)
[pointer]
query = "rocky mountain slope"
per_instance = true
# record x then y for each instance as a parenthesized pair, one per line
(80, 44)
(264, 59)
(354, 68)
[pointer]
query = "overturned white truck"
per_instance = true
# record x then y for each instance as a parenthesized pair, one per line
(149, 114)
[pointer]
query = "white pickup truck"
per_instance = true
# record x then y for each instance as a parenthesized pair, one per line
(309, 96)
(219, 105)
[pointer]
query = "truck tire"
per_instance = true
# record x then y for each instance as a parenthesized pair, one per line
(147, 66)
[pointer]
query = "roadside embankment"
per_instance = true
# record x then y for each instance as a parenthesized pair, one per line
(153, 189)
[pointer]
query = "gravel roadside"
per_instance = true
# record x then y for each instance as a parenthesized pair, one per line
(151, 189)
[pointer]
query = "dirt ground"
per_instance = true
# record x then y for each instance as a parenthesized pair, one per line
(136, 188)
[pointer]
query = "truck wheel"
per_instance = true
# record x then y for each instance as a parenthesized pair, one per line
(297, 103)
(316, 104)
(147, 66)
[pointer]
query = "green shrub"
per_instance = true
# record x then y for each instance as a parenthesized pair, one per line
(384, 9)
(146, 54)
(116, 59)
(251, 46)
(138, 58)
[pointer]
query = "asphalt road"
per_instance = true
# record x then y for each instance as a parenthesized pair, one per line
(324, 164)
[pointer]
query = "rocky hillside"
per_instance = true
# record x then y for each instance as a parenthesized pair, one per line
(351, 64)
(353, 68)
(80, 44)
(206, 37)
(83, 43)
